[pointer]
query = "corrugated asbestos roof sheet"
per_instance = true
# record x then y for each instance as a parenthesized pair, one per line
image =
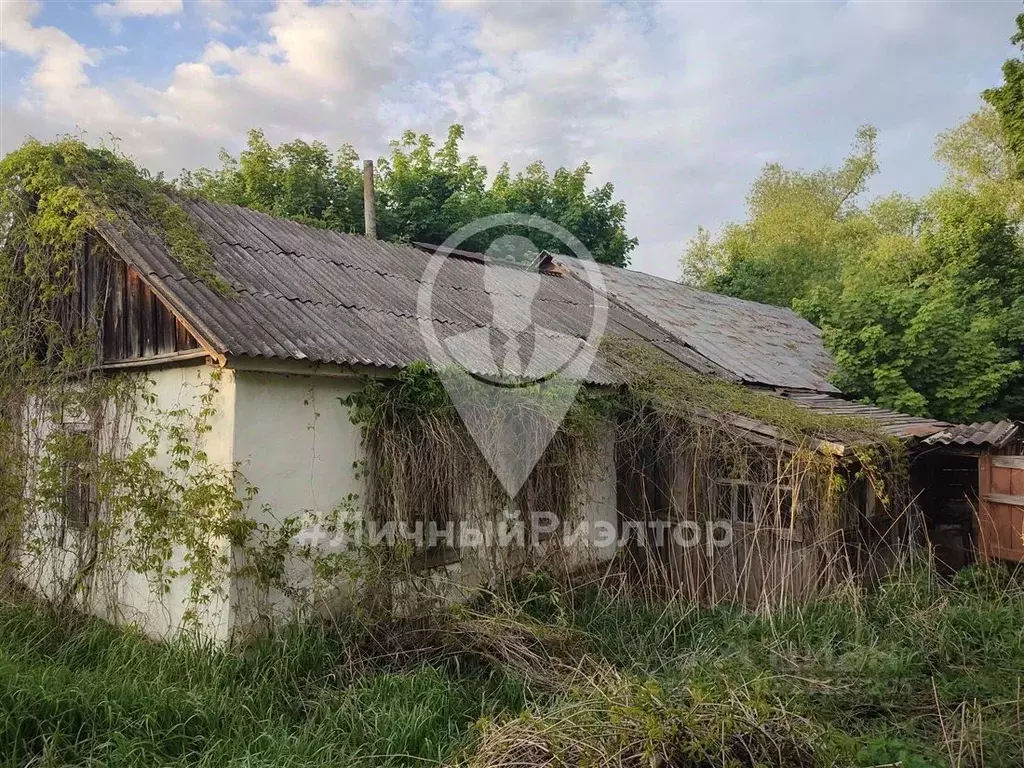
(892, 422)
(758, 343)
(928, 431)
(997, 434)
(322, 296)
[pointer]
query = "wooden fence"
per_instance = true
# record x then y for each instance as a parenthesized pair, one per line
(1001, 513)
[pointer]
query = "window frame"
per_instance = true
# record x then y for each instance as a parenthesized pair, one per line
(750, 523)
(80, 496)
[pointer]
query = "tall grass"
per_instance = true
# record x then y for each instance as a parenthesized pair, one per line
(916, 673)
(98, 696)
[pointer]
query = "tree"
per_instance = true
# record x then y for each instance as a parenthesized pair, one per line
(932, 322)
(800, 225)
(978, 158)
(593, 216)
(296, 180)
(425, 193)
(1008, 100)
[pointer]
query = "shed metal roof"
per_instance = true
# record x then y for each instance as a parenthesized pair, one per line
(995, 434)
(928, 431)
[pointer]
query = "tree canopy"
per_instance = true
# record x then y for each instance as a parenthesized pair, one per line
(921, 302)
(1008, 101)
(425, 192)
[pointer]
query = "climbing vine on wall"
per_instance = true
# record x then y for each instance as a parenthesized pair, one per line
(422, 465)
(53, 197)
(158, 506)
(668, 422)
(787, 477)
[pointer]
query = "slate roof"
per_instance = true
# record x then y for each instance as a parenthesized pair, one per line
(321, 296)
(997, 434)
(891, 422)
(758, 343)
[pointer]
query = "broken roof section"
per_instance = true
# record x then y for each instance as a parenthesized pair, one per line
(913, 428)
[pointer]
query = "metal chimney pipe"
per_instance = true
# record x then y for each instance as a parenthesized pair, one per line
(369, 200)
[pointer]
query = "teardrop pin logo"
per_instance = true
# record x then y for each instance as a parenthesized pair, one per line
(514, 378)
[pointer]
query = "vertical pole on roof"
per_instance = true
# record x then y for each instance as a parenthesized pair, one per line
(369, 203)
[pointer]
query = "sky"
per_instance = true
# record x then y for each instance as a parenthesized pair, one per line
(677, 104)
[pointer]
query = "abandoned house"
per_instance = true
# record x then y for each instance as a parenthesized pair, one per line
(270, 369)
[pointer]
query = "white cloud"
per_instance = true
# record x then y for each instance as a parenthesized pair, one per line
(220, 16)
(318, 72)
(680, 104)
(59, 82)
(123, 8)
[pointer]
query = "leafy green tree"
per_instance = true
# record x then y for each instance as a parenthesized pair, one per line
(296, 180)
(931, 321)
(978, 158)
(1008, 100)
(425, 192)
(800, 226)
(594, 216)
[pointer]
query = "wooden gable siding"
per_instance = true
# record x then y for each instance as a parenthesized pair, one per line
(135, 323)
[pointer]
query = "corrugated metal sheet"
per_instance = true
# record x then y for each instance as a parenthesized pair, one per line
(928, 431)
(995, 434)
(322, 296)
(759, 344)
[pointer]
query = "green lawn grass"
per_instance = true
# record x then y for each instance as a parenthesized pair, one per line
(917, 673)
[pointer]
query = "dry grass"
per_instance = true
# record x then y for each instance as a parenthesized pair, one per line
(547, 658)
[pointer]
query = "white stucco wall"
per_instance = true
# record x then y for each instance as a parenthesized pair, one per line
(114, 593)
(290, 438)
(294, 442)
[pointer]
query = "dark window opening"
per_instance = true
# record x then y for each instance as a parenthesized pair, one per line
(80, 494)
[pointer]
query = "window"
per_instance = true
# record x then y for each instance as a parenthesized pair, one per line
(79, 496)
(756, 504)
